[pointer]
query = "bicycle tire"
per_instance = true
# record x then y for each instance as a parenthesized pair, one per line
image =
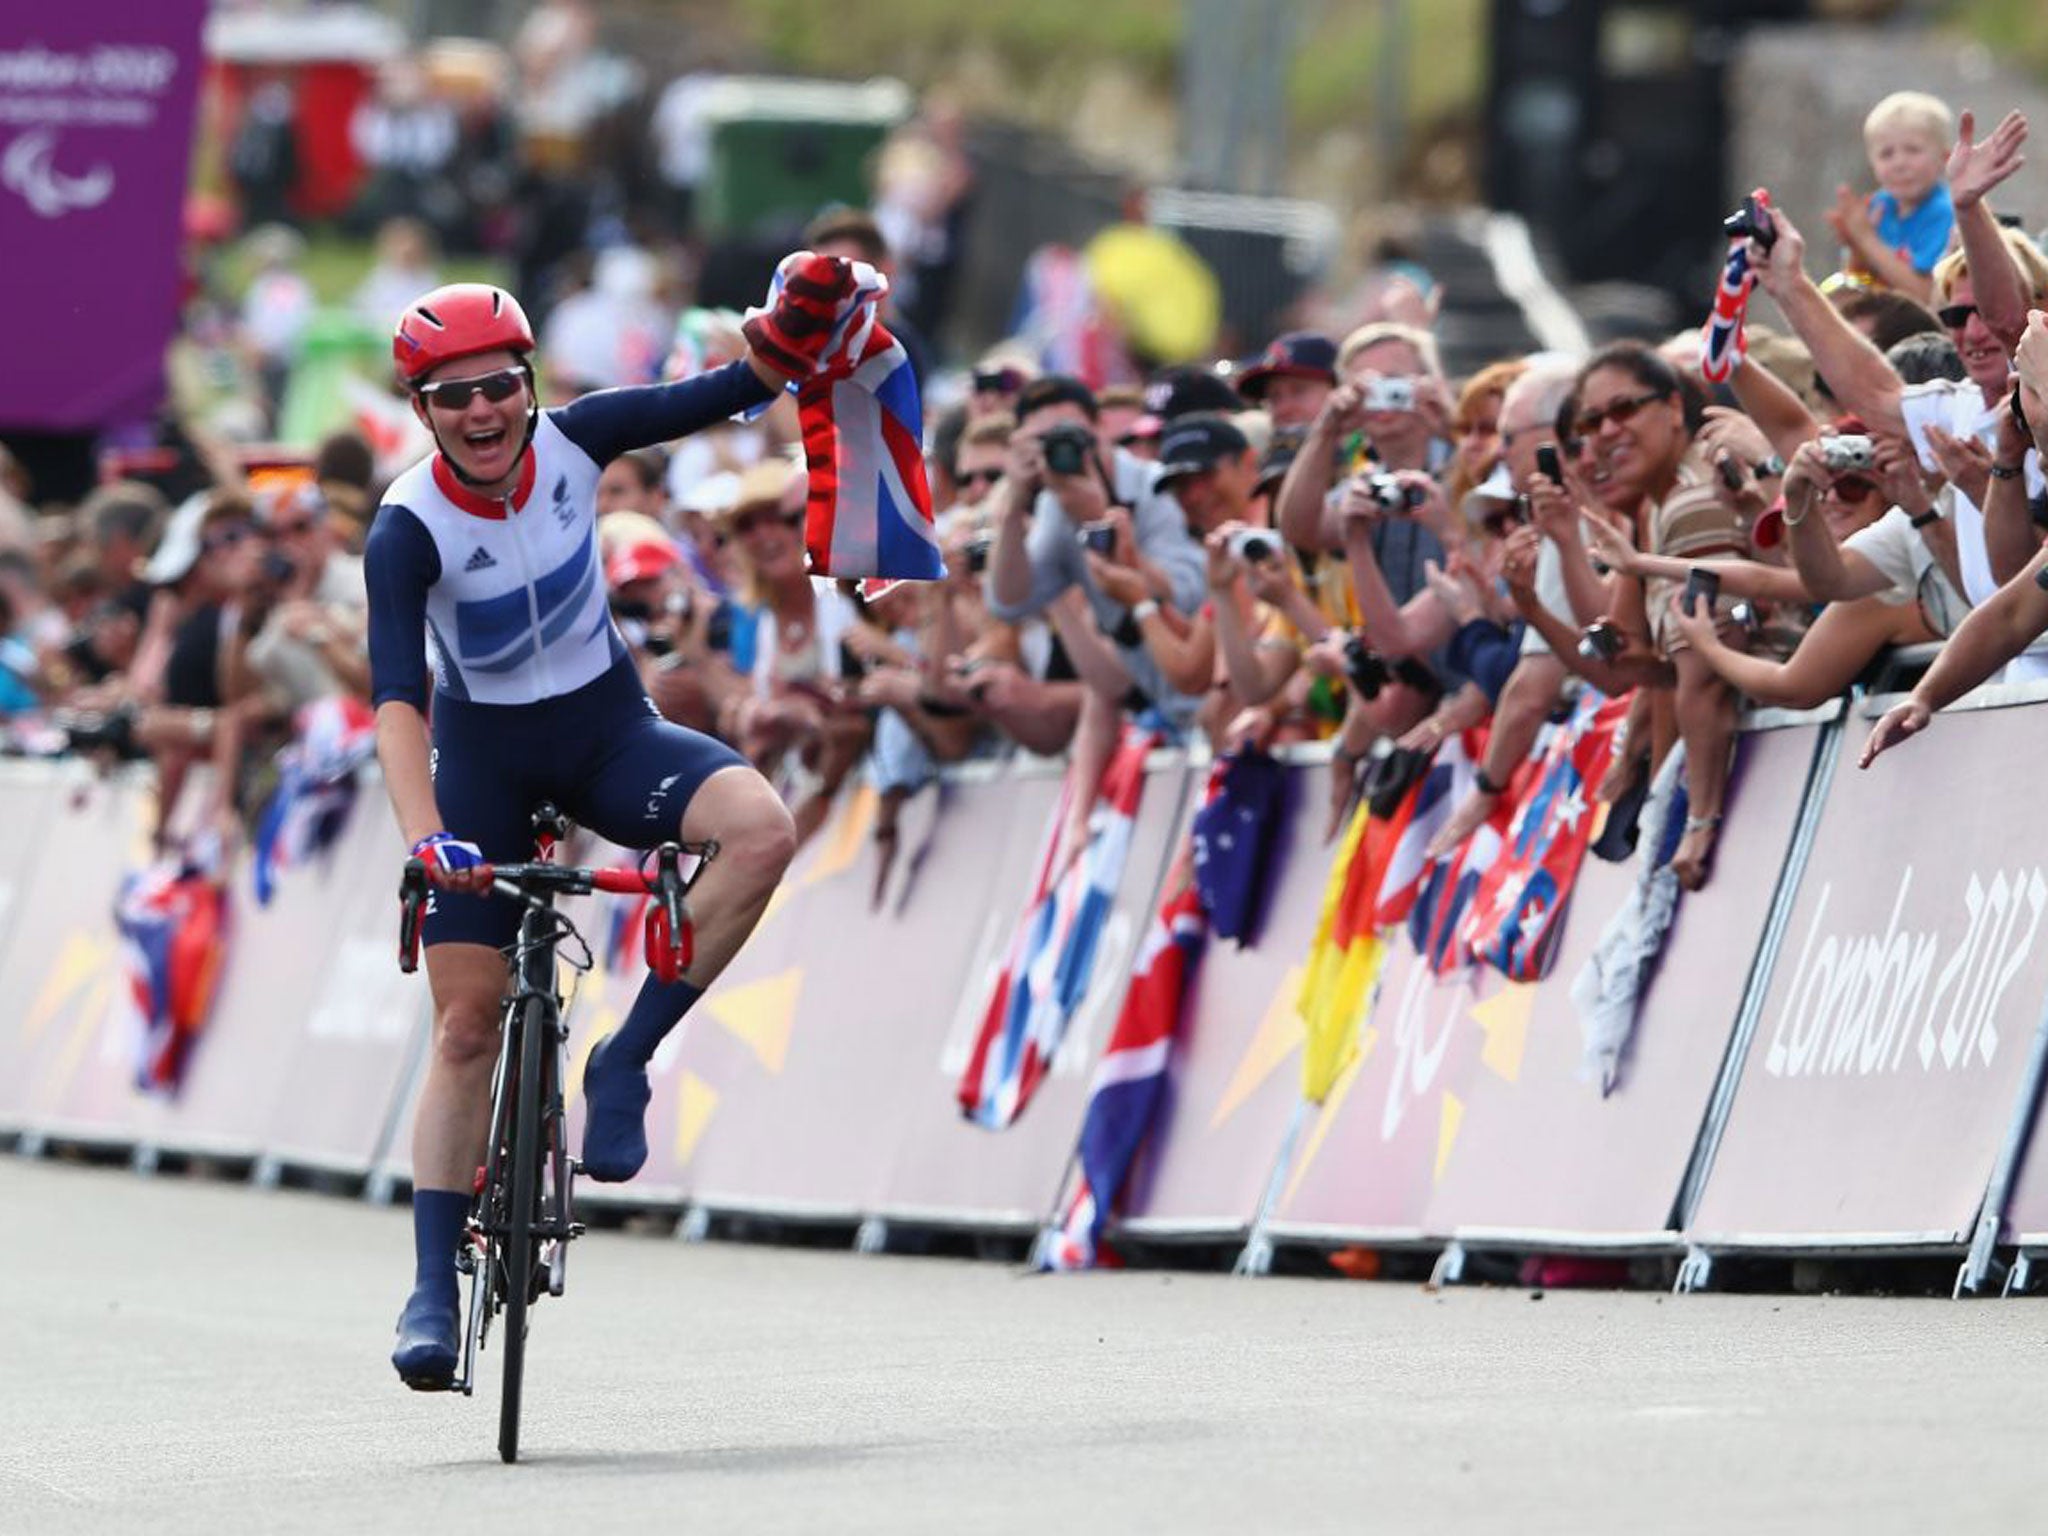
(525, 1156)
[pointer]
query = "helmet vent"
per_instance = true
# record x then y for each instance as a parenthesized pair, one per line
(431, 318)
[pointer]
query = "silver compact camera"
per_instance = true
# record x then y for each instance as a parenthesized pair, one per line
(1851, 451)
(1255, 544)
(1390, 394)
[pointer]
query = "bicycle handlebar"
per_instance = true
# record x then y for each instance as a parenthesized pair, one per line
(520, 881)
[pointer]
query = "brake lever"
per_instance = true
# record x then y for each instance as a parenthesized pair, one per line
(412, 903)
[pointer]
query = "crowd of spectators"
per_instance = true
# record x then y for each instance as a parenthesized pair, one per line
(1328, 540)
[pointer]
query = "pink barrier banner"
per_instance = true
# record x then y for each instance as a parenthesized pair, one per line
(942, 1166)
(1895, 1032)
(1466, 1113)
(352, 1027)
(779, 1090)
(1235, 1079)
(29, 793)
(64, 1034)
(1538, 1150)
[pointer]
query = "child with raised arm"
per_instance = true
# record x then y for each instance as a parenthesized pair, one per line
(1904, 228)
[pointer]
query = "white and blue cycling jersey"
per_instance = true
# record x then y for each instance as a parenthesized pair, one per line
(504, 600)
(535, 696)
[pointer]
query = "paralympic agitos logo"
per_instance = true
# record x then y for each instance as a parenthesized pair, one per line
(1860, 1003)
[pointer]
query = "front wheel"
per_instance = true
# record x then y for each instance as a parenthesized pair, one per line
(526, 1153)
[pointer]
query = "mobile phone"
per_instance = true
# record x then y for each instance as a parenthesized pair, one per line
(1700, 582)
(1549, 465)
(977, 553)
(1100, 537)
(1730, 471)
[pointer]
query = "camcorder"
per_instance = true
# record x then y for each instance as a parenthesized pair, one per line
(977, 549)
(1390, 394)
(1601, 641)
(1099, 537)
(1255, 544)
(1850, 451)
(1066, 447)
(1752, 221)
(1390, 495)
(1364, 669)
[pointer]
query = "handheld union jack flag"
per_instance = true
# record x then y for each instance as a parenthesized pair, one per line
(869, 512)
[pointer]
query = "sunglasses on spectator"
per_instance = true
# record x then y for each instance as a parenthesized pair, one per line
(1504, 519)
(455, 394)
(1955, 316)
(1621, 412)
(746, 522)
(983, 477)
(1001, 381)
(1136, 439)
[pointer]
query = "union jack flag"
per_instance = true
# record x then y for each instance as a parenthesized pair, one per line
(1051, 960)
(316, 789)
(869, 511)
(1130, 1079)
(1722, 345)
(173, 920)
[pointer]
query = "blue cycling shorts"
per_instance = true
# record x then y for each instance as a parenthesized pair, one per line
(602, 754)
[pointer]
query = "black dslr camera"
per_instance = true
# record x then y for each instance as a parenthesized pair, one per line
(1364, 669)
(1066, 448)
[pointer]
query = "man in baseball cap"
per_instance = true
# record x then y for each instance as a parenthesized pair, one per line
(1292, 378)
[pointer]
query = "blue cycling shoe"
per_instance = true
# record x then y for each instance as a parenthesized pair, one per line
(428, 1331)
(615, 1128)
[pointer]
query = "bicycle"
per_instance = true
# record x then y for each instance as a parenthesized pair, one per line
(515, 1245)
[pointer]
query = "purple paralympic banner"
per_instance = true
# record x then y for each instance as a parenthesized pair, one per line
(97, 99)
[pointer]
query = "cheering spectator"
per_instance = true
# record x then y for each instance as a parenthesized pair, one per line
(1903, 230)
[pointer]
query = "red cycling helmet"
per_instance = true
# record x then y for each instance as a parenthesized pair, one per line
(458, 320)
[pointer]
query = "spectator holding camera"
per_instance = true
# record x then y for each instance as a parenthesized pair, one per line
(1061, 498)
(1983, 291)
(310, 641)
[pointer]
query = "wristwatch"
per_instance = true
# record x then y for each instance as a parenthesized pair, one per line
(2008, 471)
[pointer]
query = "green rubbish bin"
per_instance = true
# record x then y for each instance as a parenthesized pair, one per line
(783, 149)
(337, 344)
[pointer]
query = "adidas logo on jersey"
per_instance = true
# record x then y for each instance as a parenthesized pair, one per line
(480, 560)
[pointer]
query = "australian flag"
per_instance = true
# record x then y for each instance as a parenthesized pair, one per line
(1051, 960)
(1514, 918)
(869, 512)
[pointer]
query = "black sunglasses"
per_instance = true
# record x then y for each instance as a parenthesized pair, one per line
(1620, 412)
(1955, 316)
(980, 477)
(455, 394)
(1005, 381)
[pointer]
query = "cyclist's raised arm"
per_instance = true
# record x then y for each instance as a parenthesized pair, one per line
(615, 421)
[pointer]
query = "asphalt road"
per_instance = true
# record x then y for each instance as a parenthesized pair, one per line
(189, 1356)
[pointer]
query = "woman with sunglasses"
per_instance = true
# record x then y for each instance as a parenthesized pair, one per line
(483, 565)
(1634, 437)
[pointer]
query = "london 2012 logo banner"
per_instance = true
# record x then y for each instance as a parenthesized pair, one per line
(97, 103)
